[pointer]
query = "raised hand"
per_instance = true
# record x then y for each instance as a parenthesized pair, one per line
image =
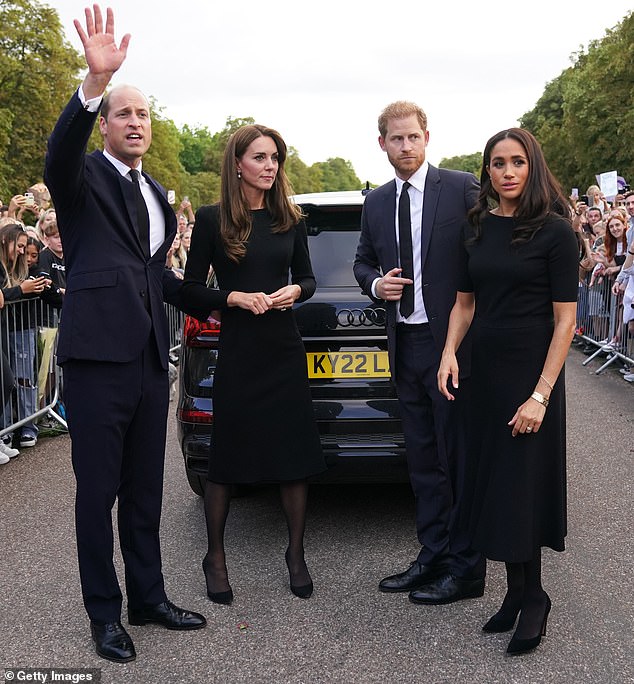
(102, 54)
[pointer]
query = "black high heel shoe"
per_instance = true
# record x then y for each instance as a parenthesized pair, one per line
(501, 622)
(223, 597)
(518, 646)
(303, 591)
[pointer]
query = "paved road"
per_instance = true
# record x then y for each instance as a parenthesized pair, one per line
(348, 631)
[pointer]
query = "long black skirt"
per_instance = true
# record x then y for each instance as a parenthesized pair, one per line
(519, 495)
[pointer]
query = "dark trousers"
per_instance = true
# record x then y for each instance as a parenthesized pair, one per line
(436, 444)
(117, 417)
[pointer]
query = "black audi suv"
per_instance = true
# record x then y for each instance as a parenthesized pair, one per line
(346, 355)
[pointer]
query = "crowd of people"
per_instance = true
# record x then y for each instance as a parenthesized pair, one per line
(32, 285)
(605, 312)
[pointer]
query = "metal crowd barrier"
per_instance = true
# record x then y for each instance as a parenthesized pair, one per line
(600, 325)
(175, 320)
(28, 337)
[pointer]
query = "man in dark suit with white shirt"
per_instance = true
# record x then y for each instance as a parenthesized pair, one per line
(409, 255)
(116, 227)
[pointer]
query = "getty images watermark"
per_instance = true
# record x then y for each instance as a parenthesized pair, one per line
(45, 675)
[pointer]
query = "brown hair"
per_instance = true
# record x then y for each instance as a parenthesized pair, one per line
(235, 213)
(401, 110)
(16, 269)
(51, 229)
(542, 196)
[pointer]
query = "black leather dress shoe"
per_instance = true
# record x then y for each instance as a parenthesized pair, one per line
(447, 589)
(112, 642)
(168, 615)
(414, 577)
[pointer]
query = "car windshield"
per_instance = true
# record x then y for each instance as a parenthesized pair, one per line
(333, 235)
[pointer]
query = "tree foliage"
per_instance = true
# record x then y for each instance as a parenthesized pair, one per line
(337, 174)
(472, 163)
(585, 118)
(38, 68)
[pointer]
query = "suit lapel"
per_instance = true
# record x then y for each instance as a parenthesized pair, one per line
(170, 219)
(430, 203)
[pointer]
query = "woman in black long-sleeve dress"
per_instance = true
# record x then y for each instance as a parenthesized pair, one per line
(518, 294)
(264, 428)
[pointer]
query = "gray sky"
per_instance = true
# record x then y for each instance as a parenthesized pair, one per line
(321, 72)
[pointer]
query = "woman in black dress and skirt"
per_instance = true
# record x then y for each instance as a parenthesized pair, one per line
(518, 295)
(264, 429)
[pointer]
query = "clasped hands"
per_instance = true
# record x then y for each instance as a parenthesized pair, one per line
(260, 302)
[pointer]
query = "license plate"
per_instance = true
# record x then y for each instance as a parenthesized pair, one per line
(353, 364)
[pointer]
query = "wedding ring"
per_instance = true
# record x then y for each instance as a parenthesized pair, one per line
(283, 308)
(529, 429)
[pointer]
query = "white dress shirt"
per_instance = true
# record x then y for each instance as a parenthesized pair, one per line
(416, 193)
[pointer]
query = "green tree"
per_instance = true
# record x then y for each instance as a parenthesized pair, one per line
(303, 178)
(471, 163)
(214, 154)
(585, 118)
(38, 72)
(202, 188)
(337, 174)
(195, 145)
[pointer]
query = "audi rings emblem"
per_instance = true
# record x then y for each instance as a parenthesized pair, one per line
(358, 318)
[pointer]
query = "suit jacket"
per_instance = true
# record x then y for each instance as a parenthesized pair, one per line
(448, 197)
(114, 296)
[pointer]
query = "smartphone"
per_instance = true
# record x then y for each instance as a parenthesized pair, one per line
(584, 199)
(30, 199)
(185, 199)
(575, 193)
(171, 196)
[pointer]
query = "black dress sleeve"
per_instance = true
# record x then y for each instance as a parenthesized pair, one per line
(301, 268)
(563, 263)
(200, 260)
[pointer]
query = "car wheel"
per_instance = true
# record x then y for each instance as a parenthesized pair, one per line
(197, 483)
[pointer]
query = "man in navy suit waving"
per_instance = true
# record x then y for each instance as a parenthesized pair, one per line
(116, 227)
(409, 255)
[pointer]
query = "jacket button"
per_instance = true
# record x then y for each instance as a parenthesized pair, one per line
(142, 293)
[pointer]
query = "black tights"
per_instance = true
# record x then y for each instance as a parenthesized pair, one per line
(293, 496)
(525, 596)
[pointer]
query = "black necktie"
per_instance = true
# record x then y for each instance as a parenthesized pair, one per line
(406, 306)
(143, 218)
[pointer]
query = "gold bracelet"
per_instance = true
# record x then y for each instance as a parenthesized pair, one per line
(546, 381)
(540, 398)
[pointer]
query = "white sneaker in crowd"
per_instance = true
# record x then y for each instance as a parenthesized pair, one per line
(7, 452)
(629, 377)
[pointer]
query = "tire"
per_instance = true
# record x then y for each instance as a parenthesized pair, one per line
(196, 482)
